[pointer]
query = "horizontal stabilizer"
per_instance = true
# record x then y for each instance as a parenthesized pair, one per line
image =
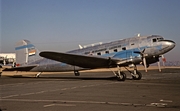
(21, 68)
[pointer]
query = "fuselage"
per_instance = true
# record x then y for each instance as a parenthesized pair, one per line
(152, 46)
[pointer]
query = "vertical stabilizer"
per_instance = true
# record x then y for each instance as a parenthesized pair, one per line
(26, 53)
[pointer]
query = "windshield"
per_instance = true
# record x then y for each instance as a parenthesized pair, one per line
(157, 39)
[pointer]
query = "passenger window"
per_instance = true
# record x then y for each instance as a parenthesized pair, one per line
(99, 53)
(124, 48)
(115, 50)
(107, 52)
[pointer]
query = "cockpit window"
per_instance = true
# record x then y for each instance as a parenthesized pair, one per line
(154, 40)
(157, 39)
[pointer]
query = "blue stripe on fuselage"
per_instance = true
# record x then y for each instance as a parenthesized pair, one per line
(125, 53)
(159, 47)
(24, 46)
(129, 53)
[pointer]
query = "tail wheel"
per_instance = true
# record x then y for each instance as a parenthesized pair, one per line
(121, 76)
(137, 76)
(76, 73)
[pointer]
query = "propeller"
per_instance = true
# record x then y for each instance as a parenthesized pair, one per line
(144, 62)
(163, 61)
(143, 55)
(159, 66)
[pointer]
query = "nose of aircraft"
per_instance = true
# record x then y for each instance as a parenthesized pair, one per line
(169, 44)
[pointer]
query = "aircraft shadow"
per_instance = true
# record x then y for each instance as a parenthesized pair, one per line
(112, 78)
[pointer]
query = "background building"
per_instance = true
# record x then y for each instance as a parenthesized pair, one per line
(7, 58)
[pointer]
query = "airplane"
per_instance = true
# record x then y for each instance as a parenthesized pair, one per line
(128, 52)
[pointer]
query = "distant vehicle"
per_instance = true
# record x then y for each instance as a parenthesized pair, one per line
(4, 61)
(7, 58)
(128, 52)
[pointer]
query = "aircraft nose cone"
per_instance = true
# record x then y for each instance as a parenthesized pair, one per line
(169, 44)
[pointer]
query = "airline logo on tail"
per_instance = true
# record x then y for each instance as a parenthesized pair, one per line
(32, 52)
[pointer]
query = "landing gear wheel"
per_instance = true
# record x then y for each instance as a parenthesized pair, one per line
(76, 73)
(121, 76)
(137, 76)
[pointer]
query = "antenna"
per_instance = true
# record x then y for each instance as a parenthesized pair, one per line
(81, 47)
(91, 45)
(138, 34)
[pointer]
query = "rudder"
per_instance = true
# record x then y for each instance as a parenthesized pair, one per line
(26, 53)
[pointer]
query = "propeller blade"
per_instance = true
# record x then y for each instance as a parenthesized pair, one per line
(163, 60)
(143, 51)
(143, 57)
(137, 52)
(159, 66)
(145, 65)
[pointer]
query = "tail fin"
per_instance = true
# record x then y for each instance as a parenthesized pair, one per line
(26, 53)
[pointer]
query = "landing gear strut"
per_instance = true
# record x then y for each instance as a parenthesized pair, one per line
(38, 74)
(136, 75)
(121, 76)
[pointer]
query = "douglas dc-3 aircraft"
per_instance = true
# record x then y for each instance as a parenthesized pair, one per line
(128, 52)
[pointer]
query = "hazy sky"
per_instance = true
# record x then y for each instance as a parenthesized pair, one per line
(62, 25)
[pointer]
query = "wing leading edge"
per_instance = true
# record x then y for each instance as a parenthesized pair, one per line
(84, 61)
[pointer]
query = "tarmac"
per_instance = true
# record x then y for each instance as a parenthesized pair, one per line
(91, 91)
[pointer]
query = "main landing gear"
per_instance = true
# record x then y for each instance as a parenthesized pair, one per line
(136, 75)
(121, 76)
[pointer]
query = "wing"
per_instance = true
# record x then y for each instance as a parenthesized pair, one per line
(21, 68)
(85, 61)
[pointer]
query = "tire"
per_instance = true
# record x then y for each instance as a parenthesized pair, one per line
(138, 76)
(121, 77)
